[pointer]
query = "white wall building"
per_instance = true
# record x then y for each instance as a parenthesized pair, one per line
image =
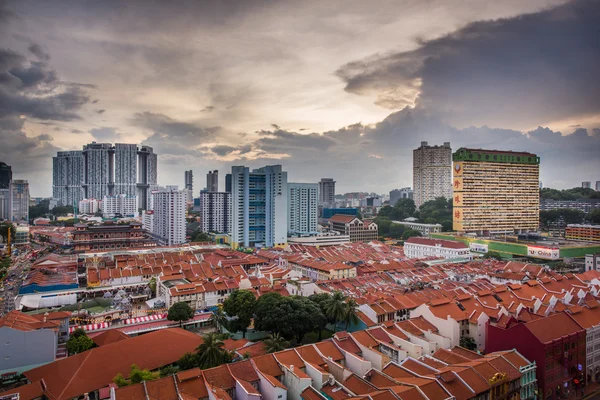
(122, 204)
(259, 206)
(592, 262)
(432, 173)
(424, 229)
(168, 221)
(418, 247)
(302, 207)
(89, 206)
(215, 212)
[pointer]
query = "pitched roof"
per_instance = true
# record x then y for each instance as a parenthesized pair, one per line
(95, 368)
(553, 327)
(108, 337)
(343, 219)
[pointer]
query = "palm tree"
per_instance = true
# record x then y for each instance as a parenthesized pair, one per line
(275, 342)
(219, 319)
(335, 309)
(211, 353)
(351, 313)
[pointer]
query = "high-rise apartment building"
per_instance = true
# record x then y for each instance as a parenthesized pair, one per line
(102, 169)
(597, 186)
(189, 180)
(495, 191)
(147, 175)
(5, 175)
(89, 206)
(228, 183)
(212, 181)
(215, 212)
(303, 207)
(397, 194)
(327, 192)
(259, 206)
(125, 175)
(67, 177)
(4, 203)
(168, 216)
(126, 206)
(586, 185)
(432, 172)
(19, 200)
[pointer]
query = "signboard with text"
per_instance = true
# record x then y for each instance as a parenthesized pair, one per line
(543, 253)
(478, 247)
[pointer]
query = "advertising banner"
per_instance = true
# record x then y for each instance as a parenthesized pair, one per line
(543, 253)
(478, 247)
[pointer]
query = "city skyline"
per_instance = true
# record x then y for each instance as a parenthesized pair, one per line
(360, 87)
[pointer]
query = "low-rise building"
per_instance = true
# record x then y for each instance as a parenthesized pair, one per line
(21, 235)
(321, 239)
(424, 229)
(585, 233)
(556, 343)
(359, 231)
(110, 237)
(89, 206)
(418, 247)
(592, 262)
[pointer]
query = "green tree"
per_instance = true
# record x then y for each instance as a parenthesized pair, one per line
(404, 208)
(168, 370)
(62, 210)
(152, 285)
(437, 211)
(39, 210)
(468, 343)
(4, 231)
(180, 311)
(200, 237)
(408, 233)
(351, 317)
(336, 307)
(188, 361)
(219, 319)
(270, 312)
(136, 375)
(306, 317)
(276, 342)
(572, 216)
(594, 216)
(212, 353)
(240, 305)
(320, 299)
(79, 342)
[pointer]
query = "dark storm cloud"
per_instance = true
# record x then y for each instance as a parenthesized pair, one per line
(39, 52)
(32, 88)
(280, 140)
(515, 71)
(101, 111)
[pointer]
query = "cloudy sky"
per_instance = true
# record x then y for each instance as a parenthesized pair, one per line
(342, 88)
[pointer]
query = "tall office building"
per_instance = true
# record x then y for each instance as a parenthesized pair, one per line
(19, 200)
(189, 180)
(327, 192)
(67, 177)
(397, 194)
(586, 185)
(259, 206)
(432, 173)
(302, 207)
(597, 186)
(102, 169)
(215, 212)
(495, 191)
(5, 175)
(168, 216)
(212, 181)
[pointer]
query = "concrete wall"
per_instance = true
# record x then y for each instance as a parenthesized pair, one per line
(21, 349)
(357, 364)
(294, 384)
(269, 391)
(447, 327)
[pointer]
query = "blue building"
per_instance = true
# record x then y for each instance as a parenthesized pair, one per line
(330, 212)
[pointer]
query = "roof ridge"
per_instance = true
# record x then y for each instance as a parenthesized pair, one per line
(76, 371)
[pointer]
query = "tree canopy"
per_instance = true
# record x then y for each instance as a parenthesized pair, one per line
(200, 237)
(292, 316)
(438, 211)
(212, 353)
(594, 216)
(79, 342)
(275, 342)
(576, 193)
(136, 375)
(180, 311)
(240, 305)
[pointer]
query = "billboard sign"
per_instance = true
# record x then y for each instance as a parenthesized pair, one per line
(478, 247)
(543, 253)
